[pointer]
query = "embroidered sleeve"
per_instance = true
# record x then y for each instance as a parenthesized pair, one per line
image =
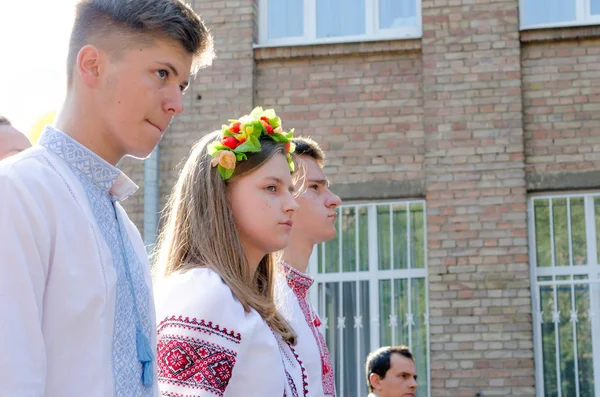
(202, 334)
(195, 357)
(24, 242)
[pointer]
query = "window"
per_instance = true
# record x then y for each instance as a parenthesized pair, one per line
(292, 22)
(565, 247)
(371, 289)
(555, 13)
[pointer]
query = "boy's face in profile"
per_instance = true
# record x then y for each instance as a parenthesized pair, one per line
(316, 217)
(140, 92)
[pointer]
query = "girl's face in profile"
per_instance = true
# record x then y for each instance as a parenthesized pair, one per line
(263, 205)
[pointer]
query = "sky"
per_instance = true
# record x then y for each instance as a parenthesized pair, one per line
(34, 36)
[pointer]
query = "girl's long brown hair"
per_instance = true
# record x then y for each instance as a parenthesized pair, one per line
(199, 231)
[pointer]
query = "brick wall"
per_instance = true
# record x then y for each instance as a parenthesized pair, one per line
(561, 91)
(469, 117)
(365, 110)
(481, 335)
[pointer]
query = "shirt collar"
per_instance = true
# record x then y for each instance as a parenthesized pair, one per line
(299, 282)
(88, 164)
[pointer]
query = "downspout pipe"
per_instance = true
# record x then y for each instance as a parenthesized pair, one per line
(151, 192)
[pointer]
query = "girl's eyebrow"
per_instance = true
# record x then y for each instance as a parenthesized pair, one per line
(275, 179)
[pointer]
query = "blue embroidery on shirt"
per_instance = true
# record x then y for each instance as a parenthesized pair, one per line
(97, 177)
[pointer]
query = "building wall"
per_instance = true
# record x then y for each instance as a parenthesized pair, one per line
(561, 95)
(364, 107)
(472, 117)
(481, 335)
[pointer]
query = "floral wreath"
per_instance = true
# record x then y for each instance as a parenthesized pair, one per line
(242, 136)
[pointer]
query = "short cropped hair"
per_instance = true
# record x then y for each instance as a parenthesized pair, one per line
(127, 21)
(378, 362)
(4, 121)
(307, 147)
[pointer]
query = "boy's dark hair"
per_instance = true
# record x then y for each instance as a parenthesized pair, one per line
(4, 121)
(378, 362)
(113, 25)
(307, 147)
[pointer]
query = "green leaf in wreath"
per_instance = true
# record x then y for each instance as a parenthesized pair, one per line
(248, 147)
(225, 173)
(275, 122)
(290, 163)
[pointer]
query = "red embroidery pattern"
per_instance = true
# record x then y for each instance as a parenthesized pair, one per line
(281, 343)
(304, 382)
(300, 283)
(292, 385)
(327, 365)
(202, 326)
(194, 363)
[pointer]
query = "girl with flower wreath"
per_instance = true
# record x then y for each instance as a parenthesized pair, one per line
(219, 333)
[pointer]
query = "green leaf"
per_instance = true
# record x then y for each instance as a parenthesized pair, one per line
(259, 128)
(225, 173)
(214, 147)
(290, 134)
(290, 163)
(279, 138)
(257, 111)
(255, 141)
(269, 113)
(248, 147)
(275, 122)
(240, 156)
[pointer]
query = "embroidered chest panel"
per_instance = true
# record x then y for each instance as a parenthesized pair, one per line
(96, 178)
(300, 283)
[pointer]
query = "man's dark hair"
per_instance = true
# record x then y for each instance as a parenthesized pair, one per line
(378, 362)
(307, 147)
(113, 25)
(4, 121)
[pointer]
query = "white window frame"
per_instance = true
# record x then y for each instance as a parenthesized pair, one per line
(583, 17)
(373, 276)
(592, 270)
(372, 30)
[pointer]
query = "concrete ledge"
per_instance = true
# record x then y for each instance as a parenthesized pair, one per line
(380, 190)
(563, 180)
(339, 49)
(559, 34)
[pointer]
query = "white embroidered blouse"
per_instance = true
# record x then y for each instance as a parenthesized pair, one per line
(75, 288)
(292, 299)
(209, 346)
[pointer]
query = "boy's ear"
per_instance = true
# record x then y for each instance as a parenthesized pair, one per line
(88, 66)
